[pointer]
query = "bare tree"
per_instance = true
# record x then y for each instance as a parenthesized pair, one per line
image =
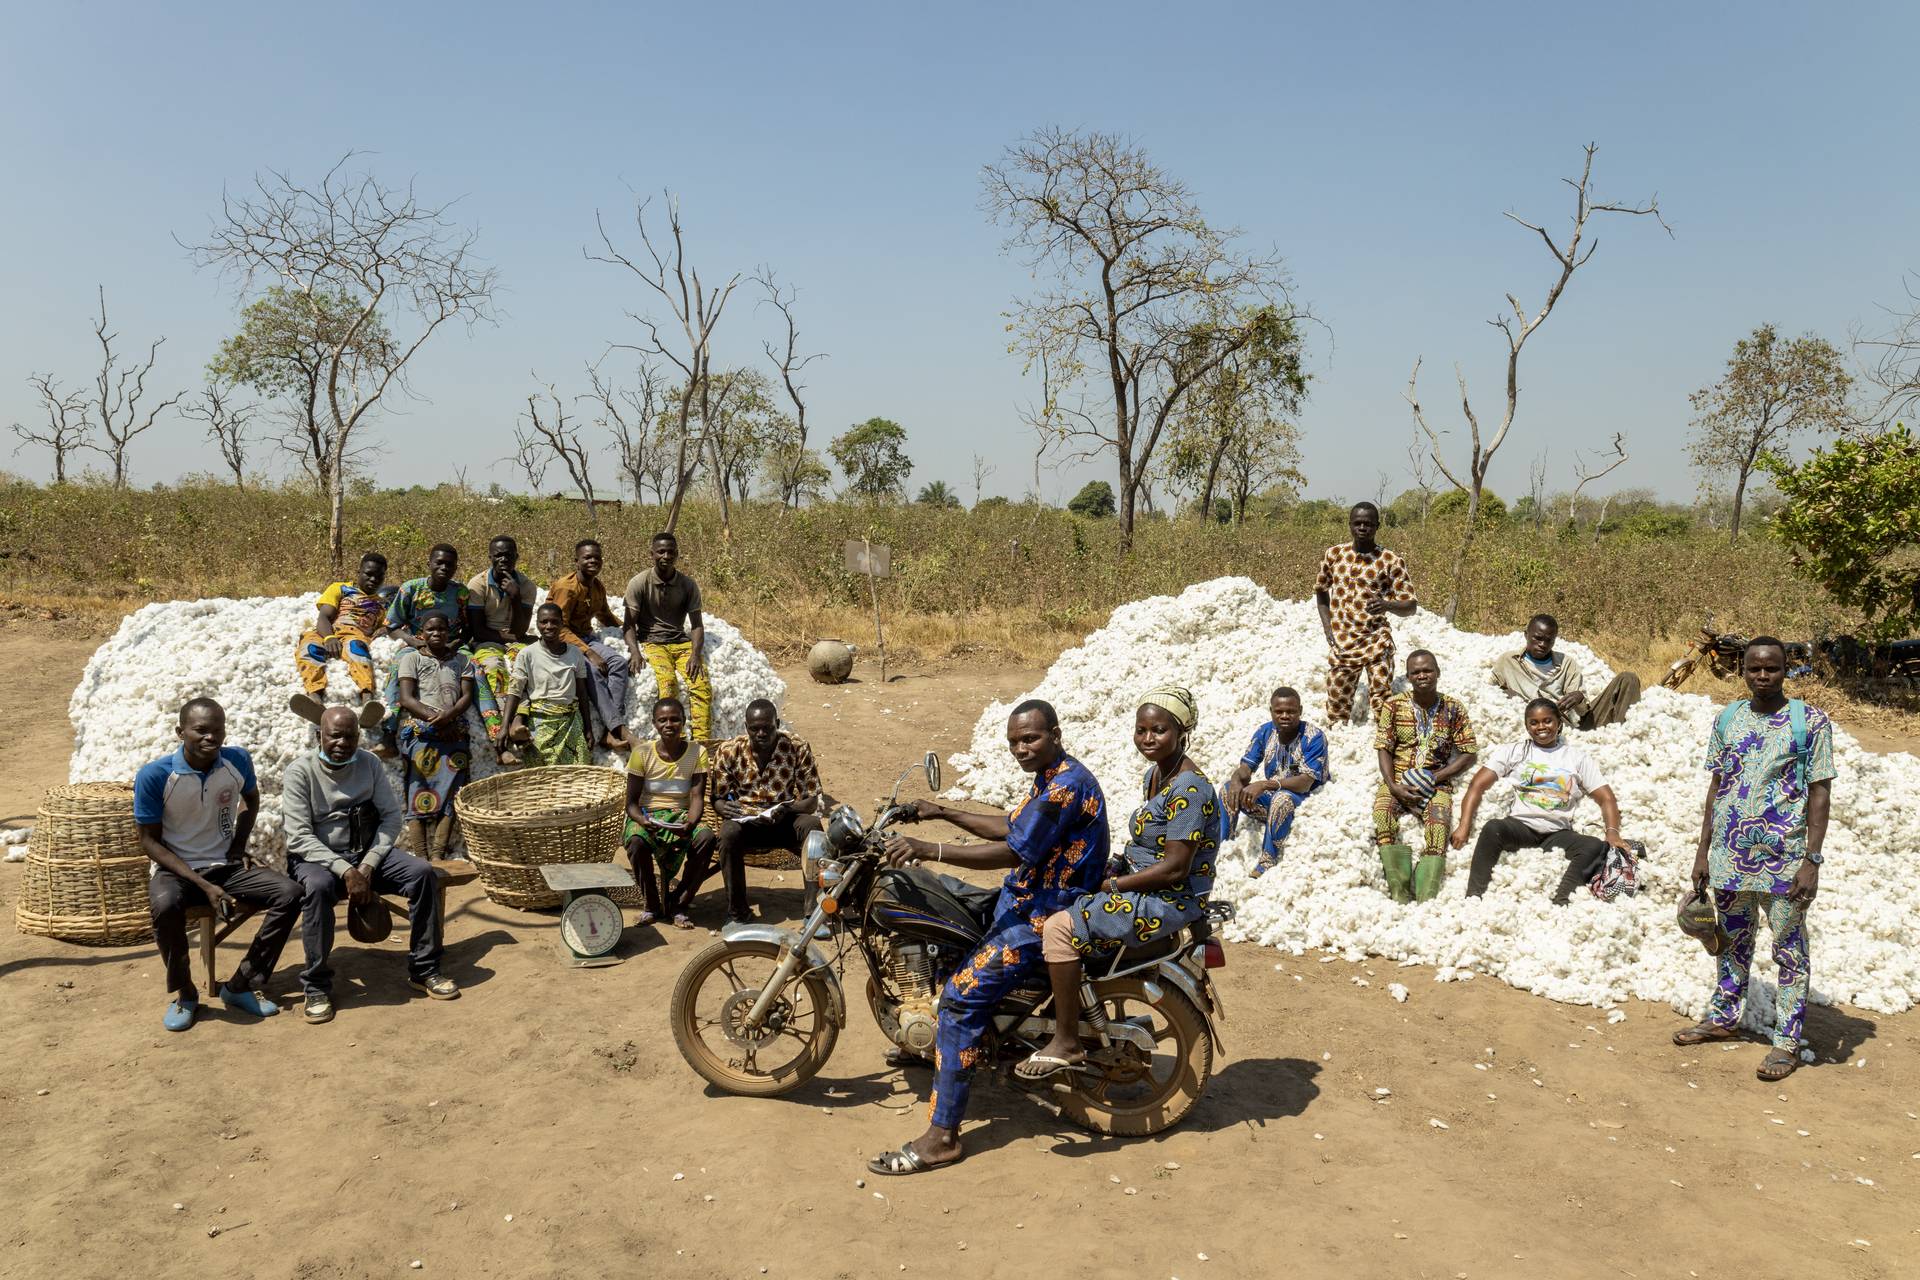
(227, 425)
(1536, 486)
(1772, 388)
(1517, 328)
(67, 430)
(628, 414)
(981, 470)
(1587, 471)
(1419, 466)
(1144, 298)
(559, 434)
(697, 309)
(791, 456)
(1892, 358)
(530, 457)
(118, 389)
(405, 265)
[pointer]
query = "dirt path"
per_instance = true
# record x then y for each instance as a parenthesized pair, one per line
(535, 1127)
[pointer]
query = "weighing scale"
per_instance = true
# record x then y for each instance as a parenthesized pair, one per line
(590, 920)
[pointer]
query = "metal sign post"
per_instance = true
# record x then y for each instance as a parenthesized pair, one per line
(876, 562)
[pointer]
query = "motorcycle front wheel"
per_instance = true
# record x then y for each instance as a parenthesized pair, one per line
(710, 1002)
(1138, 1093)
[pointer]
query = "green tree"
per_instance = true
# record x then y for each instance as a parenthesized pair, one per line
(1453, 505)
(1141, 297)
(1095, 500)
(1852, 524)
(938, 495)
(1771, 390)
(873, 456)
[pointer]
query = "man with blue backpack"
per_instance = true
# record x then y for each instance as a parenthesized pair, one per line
(1759, 855)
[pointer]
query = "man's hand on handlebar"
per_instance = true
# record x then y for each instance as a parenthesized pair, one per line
(902, 851)
(917, 811)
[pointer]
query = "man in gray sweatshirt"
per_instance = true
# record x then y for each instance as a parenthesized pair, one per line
(341, 820)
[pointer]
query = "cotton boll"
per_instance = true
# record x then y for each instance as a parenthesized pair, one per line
(241, 652)
(1231, 643)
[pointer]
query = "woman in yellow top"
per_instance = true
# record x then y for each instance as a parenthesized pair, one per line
(666, 798)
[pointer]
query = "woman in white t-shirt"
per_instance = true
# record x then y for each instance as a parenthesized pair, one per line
(1550, 774)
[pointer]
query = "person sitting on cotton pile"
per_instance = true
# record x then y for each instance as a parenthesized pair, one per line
(1760, 838)
(348, 616)
(1538, 672)
(439, 594)
(1292, 758)
(1424, 741)
(1550, 775)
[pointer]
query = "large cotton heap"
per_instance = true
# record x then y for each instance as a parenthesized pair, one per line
(240, 652)
(1231, 643)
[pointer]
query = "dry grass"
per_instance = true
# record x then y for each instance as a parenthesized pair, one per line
(1009, 583)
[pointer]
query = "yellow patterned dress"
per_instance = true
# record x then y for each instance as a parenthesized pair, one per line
(1181, 808)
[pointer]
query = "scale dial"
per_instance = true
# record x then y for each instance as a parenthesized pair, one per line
(590, 924)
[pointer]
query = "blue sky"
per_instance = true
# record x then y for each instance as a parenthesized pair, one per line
(1375, 147)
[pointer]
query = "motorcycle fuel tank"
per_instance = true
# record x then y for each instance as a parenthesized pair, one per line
(915, 905)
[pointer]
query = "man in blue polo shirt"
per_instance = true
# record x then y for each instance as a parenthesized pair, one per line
(195, 809)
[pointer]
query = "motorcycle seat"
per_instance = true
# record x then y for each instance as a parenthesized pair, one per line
(980, 901)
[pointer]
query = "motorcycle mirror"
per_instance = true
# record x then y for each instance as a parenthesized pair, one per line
(932, 766)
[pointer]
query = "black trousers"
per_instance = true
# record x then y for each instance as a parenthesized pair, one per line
(736, 838)
(273, 892)
(1585, 854)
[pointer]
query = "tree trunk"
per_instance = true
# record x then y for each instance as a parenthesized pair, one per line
(337, 510)
(1127, 496)
(59, 465)
(1739, 500)
(1459, 574)
(1213, 479)
(120, 467)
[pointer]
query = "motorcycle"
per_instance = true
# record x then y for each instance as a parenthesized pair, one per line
(1724, 652)
(758, 1012)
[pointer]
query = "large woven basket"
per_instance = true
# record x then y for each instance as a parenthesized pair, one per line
(86, 878)
(517, 822)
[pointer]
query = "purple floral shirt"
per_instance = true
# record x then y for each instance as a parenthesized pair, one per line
(1760, 798)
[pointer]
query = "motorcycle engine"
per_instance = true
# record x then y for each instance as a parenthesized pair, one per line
(909, 1021)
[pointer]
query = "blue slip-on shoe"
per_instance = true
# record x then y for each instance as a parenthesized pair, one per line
(248, 1002)
(180, 1015)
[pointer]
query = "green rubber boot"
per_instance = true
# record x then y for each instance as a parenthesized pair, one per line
(1427, 876)
(1397, 861)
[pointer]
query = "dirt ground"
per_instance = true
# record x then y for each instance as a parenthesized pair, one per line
(544, 1126)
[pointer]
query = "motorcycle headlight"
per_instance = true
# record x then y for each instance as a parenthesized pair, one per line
(844, 829)
(813, 852)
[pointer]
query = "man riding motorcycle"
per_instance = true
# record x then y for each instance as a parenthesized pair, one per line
(1055, 841)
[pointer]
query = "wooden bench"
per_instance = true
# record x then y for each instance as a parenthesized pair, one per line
(214, 931)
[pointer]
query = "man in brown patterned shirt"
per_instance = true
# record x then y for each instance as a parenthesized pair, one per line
(766, 789)
(1360, 583)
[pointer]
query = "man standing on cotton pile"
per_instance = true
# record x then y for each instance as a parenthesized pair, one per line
(1360, 583)
(1424, 741)
(664, 626)
(195, 809)
(1760, 837)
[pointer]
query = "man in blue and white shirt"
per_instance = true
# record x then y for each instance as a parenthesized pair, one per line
(195, 809)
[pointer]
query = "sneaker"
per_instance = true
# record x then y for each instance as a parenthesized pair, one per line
(319, 1007)
(437, 985)
(180, 1015)
(248, 1002)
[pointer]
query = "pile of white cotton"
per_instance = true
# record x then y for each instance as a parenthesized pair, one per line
(1231, 643)
(240, 652)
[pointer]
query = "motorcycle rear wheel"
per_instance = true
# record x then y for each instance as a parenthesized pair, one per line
(1143, 1097)
(1678, 673)
(709, 997)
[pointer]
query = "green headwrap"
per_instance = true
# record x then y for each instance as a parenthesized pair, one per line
(1176, 702)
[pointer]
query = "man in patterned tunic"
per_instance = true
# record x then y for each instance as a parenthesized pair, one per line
(1424, 741)
(1360, 583)
(1055, 841)
(1760, 838)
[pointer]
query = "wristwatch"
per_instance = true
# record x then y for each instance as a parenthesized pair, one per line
(1815, 858)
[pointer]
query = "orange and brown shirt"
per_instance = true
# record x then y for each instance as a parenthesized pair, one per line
(739, 784)
(1351, 578)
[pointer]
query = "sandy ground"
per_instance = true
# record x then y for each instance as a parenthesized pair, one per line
(543, 1125)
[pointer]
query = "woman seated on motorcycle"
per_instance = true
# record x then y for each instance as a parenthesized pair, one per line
(1158, 884)
(1550, 775)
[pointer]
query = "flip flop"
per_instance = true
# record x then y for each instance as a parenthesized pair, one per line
(1777, 1065)
(644, 919)
(682, 921)
(306, 706)
(1044, 1066)
(901, 1163)
(372, 714)
(1703, 1033)
(900, 1059)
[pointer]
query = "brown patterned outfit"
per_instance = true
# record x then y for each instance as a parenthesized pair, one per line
(739, 786)
(1361, 641)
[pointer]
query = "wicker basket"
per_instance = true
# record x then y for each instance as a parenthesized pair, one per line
(86, 878)
(771, 859)
(517, 822)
